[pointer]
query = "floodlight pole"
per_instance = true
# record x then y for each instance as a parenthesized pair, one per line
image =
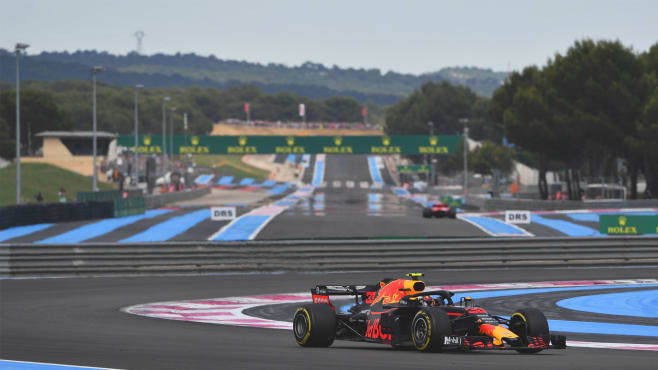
(136, 170)
(164, 135)
(171, 137)
(431, 124)
(465, 122)
(94, 70)
(19, 47)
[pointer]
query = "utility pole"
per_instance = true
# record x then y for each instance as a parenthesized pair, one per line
(94, 70)
(171, 137)
(164, 135)
(465, 122)
(185, 126)
(136, 170)
(431, 182)
(18, 49)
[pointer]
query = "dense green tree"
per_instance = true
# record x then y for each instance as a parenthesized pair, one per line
(521, 105)
(444, 105)
(581, 112)
(596, 94)
(7, 144)
(647, 139)
(490, 157)
(39, 112)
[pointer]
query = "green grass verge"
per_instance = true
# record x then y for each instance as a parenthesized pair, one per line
(44, 178)
(230, 165)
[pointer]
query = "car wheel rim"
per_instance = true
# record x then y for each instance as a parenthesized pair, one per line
(301, 326)
(420, 331)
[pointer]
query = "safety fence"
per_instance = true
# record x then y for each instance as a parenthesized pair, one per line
(409, 255)
(107, 195)
(500, 204)
(129, 206)
(125, 203)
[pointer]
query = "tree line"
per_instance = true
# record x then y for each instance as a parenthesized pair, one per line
(591, 113)
(313, 80)
(67, 105)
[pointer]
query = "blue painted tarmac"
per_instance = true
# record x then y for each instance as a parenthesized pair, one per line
(494, 226)
(242, 228)
(169, 228)
(18, 231)
(566, 227)
(99, 228)
(642, 304)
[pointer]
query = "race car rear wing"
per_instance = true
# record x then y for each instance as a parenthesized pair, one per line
(366, 293)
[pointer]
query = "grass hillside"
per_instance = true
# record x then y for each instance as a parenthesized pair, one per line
(44, 178)
(313, 80)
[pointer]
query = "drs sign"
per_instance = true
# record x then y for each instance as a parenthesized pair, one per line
(222, 213)
(517, 217)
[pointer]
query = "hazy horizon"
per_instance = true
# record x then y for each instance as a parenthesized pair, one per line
(417, 37)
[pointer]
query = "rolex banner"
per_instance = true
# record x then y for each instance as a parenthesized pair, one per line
(628, 225)
(394, 144)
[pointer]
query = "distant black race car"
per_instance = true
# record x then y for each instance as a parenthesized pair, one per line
(401, 313)
(439, 209)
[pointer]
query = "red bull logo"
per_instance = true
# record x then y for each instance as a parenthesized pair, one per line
(374, 331)
(497, 332)
(396, 289)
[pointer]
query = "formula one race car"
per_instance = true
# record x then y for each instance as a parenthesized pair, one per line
(402, 314)
(439, 209)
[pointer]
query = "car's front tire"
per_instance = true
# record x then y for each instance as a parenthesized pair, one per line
(529, 322)
(429, 328)
(314, 325)
(452, 212)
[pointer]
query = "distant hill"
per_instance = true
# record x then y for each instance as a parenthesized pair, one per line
(182, 70)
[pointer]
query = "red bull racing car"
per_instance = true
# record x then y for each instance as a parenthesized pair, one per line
(439, 209)
(402, 314)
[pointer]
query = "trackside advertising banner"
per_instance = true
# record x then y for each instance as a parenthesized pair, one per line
(628, 225)
(393, 144)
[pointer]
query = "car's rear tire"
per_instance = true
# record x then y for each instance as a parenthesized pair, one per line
(429, 328)
(427, 213)
(452, 212)
(529, 322)
(314, 325)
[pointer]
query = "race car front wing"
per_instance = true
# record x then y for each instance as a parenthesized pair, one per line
(484, 343)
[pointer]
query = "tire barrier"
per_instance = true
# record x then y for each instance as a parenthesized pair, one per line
(30, 214)
(212, 257)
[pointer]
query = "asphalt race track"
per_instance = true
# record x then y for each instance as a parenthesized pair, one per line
(352, 198)
(342, 208)
(78, 322)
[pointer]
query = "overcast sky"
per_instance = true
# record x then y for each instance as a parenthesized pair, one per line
(405, 36)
